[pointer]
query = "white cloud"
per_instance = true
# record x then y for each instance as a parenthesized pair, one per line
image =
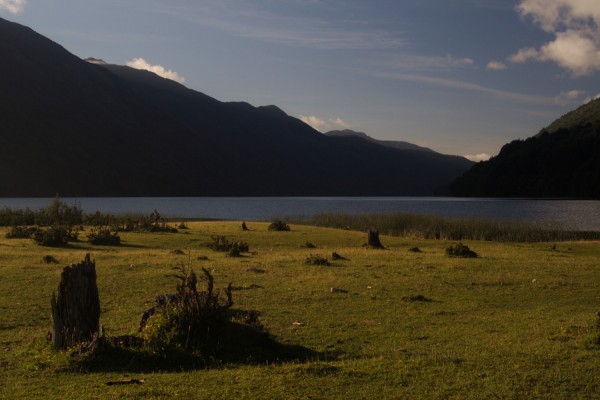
(496, 66)
(573, 51)
(569, 97)
(12, 6)
(340, 123)
(140, 63)
(323, 125)
(478, 157)
(315, 122)
(576, 26)
(524, 55)
(588, 99)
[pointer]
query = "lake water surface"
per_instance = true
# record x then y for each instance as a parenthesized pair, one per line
(571, 214)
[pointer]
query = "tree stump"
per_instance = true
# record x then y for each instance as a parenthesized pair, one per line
(76, 309)
(373, 239)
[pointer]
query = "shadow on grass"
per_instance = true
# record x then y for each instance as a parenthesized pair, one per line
(228, 345)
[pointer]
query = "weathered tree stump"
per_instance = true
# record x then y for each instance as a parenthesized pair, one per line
(76, 309)
(373, 239)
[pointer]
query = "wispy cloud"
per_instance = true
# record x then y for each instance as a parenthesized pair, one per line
(140, 63)
(234, 18)
(570, 96)
(463, 85)
(416, 62)
(12, 6)
(576, 28)
(324, 125)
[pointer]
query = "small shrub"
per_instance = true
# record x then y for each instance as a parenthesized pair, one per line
(104, 236)
(20, 232)
(418, 297)
(153, 223)
(223, 244)
(244, 227)
(55, 236)
(415, 250)
(460, 250)
(309, 245)
(182, 225)
(49, 259)
(279, 226)
(317, 259)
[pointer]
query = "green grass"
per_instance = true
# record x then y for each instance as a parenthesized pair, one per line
(517, 322)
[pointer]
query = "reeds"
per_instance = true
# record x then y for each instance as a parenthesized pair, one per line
(447, 228)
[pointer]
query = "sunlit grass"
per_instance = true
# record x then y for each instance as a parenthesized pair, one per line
(517, 322)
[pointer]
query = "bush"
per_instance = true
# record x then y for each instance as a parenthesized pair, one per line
(223, 244)
(104, 236)
(20, 232)
(317, 259)
(55, 236)
(185, 320)
(460, 250)
(279, 225)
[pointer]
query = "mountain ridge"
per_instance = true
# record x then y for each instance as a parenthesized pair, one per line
(561, 161)
(94, 129)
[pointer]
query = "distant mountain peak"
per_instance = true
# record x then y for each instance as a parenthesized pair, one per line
(273, 109)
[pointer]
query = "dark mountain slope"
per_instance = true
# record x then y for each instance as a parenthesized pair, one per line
(561, 161)
(397, 144)
(90, 129)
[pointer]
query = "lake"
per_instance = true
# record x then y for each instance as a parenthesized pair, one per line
(570, 214)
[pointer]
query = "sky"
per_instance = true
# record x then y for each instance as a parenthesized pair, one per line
(462, 77)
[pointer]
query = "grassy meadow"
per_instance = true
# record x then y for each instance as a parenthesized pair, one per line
(517, 322)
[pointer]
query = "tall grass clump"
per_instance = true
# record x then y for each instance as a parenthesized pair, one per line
(447, 228)
(57, 213)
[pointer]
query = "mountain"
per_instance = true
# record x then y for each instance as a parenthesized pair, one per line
(563, 160)
(88, 128)
(389, 143)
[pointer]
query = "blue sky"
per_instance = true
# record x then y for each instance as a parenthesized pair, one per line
(460, 76)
